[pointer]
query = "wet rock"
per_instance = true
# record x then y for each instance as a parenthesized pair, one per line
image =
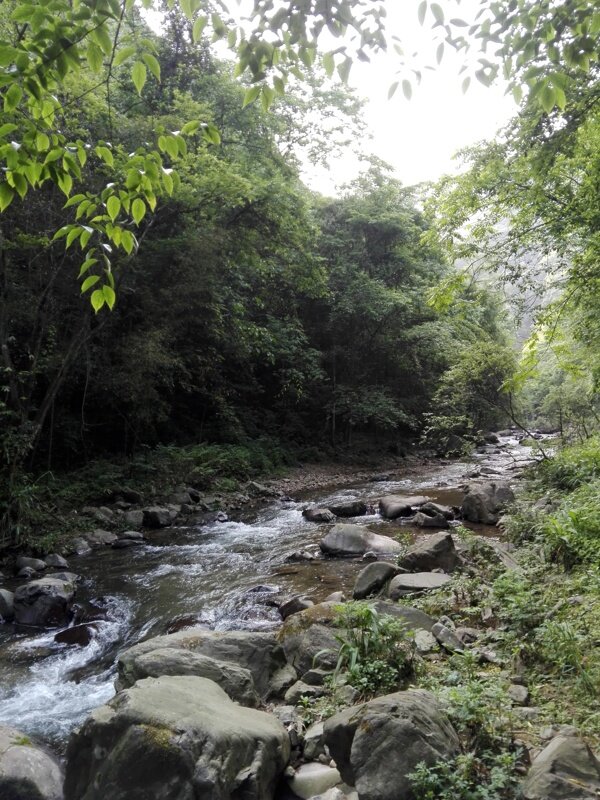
(373, 578)
(79, 547)
(314, 514)
(447, 638)
(236, 681)
(308, 638)
(313, 779)
(433, 552)
(412, 618)
(134, 518)
(100, 538)
(355, 540)
(56, 560)
(491, 438)
(301, 689)
(260, 490)
(393, 506)
(349, 508)
(518, 694)
(300, 555)
(175, 737)
(67, 577)
(45, 602)
(123, 544)
(316, 676)
(335, 597)
(6, 605)
(158, 517)
(485, 503)
(293, 606)
(566, 769)
(27, 772)
(436, 509)
(376, 745)
(381, 477)
(416, 582)
(422, 520)
(32, 563)
(80, 635)
(256, 651)
(136, 535)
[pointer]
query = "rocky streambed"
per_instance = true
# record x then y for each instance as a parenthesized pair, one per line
(188, 621)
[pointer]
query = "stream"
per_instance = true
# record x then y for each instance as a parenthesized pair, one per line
(222, 575)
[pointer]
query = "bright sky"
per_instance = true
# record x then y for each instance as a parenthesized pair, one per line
(419, 137)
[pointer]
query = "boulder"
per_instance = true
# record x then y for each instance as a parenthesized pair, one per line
(565, 770)
(27, 572)
(255, 651)
(27, 772)
(134, 518)
(80, 635)
(308, 638)
(311, 780)
(45, 602)
(100, 538)
(79, 547)
(314, 514)
(376, 745)
(485, 502)
(416, 582)
(281, 682)
(300, 689)
(174, 738)
(103, 515)
(434, 509)
(56, 561)
(7, 611)
(293, 606)
(236, 681)
(373, 578)
(422, 520)
(314, 742)
(33, 563)
(138, 536)
(354, 540)
(349, 508)
(432, 552)
(447, 638)
(158, 517)
(394, 506)
(412, 618)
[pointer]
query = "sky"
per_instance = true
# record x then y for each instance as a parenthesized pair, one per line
(418, 137)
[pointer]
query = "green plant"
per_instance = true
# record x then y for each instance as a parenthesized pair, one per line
(487, 776)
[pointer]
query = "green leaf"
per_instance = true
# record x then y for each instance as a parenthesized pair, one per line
(95, 57)
(73, 234)
(123, 54)
(465, 84)
(42, 142)
(113, 206)
(109, 296)
(344, 69)
(438, 13)
(407, 89)
(548, 98)
(105, 154)
(7, 129)
(138, 76)
(329, 64)
(267, 97)
(439, 53)
(138, 210)
(422, 11)
(190, 127)
(73, 201)
(392, 90)
(199, 26)
(89, 282)
(97, 300)
(6, 196)
(12, 97)
(152, 64)
(250, 95)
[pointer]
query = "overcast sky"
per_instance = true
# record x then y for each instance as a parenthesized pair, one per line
(419, 137)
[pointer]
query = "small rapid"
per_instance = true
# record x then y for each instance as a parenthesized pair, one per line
(223, 575)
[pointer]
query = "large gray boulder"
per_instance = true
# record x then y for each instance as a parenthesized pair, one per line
(44, 603)
(355, 540)
(316, 514)
(485, 502)
(258, 652)
(394, 506)
(416, 582)
(236, 681)
(432, 552)
(349, 508)
(7, 611)
(26, 771)
(376, 745)
(158, 517)
(565, 770)
(34, 563)
(175, 738)
(373, 578)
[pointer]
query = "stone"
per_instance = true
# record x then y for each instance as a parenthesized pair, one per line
(314, 742)
(447, 638)
(315, 514)
(135, 535)
(316, 676)
(134, 518)
(293, 606)
(393, 506)
(281, 681)
(158, 517)
(566, 769)
(300, 555)
(518, 694)
(79, 547)
(335, 597)
(7, 611)
(436, 509)
(175, 738)
(300, 689)
(256, 651)
(373, 578)
(45, 602)
(236, 681)
(425, 642)
(416, 582)
(56, 560)
(313, 779)
(349, 508)
(355, 540)
(467, 635)
(67, 577)
(123, 544)
(413, 619)
(100, 538)
(33, 563)
(484, 503)
(103, 515)
(27, 572)
(80, 635)
(422, 520)
(432, 552)
(27, 772)
(377, 744)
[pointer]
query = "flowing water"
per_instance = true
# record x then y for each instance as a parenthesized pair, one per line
(222, 575)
